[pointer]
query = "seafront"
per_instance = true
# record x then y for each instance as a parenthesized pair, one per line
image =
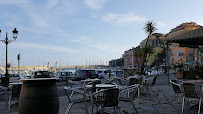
(155, 100)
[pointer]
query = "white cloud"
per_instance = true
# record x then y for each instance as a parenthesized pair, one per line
(100, 45)
(38, 20)
(95, 4)
(125, 18)
(12, 1)
(52, 3)
(43, 46)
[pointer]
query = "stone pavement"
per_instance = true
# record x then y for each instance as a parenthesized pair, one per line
(156, 100)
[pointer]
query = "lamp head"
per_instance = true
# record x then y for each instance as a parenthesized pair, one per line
(15, 33)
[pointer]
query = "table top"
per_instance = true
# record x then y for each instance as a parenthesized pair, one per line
(102, 86)
(193, 81)
(16, 83)
(34, 79)
(90, 80)
(134, 77)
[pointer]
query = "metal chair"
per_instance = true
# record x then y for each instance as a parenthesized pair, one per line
(106, 98)
(191, 90)
(15, 93)
(131, 95)
(176, 89)
(152, 80)
(74, 101)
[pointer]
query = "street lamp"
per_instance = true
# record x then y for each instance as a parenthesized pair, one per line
(6, 41)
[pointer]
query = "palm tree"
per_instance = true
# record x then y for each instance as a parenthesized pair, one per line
(149, 29)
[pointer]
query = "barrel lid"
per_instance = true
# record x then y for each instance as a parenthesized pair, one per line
(38, 79)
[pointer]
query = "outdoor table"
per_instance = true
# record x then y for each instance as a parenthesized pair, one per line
(101, 86)
(137, 77)
(90, 80)
(193, 81)
(16, 83)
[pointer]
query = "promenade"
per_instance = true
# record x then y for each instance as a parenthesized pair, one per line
(156, 100)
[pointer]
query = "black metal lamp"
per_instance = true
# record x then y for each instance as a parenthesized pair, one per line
(15, 33)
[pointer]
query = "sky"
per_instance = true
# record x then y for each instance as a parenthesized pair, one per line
(83, 32)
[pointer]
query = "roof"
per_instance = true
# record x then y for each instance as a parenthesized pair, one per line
(191, 39)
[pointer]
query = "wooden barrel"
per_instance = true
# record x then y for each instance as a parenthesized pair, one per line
(39, 96)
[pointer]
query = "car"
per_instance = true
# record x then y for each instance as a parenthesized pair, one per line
(118, 73)
(151, 72)
(40, 74)
(64, 75)
(84, 74)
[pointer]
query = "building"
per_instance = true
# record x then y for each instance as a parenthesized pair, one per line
(129, 59)
(154, 40)
(182, 54)
(117, 63)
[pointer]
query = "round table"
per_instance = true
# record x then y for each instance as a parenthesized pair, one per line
(101, 86)
(137, 77)
(90, 80)
(16, 83)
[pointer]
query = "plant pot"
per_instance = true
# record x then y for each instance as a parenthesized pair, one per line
(179, 75)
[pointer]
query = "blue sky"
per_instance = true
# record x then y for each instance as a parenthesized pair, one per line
(79, 32)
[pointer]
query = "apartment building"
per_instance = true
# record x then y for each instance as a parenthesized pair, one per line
(182, 54)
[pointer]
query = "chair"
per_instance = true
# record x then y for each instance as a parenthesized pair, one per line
(15, 93)
(148, 80)
(131, 94)
(191, 91)
(176, 89)
(106, 98)
(74, 101)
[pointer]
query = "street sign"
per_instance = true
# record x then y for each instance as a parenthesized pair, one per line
(18, 57)
(8, 65)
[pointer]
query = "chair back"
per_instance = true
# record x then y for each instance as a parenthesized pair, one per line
(154, 80)
(190, 90)
(176, 87)
(133, 81)
(16, 90)
(111, 97)
(132, 93)
(119, 81)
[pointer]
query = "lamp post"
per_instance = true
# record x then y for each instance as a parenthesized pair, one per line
(7, 41)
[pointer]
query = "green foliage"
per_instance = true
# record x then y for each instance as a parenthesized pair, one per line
(149, 27)
(180, 66)
(125, 112)
(199, 70)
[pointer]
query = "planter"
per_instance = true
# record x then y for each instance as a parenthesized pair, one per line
(179, 75)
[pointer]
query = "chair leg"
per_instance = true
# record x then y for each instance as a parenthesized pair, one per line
(183, 103)
(9, 104)
(119, 109)
(200, 100)
(69, 107)
(180, 97)
(173, 98)
(134, 107)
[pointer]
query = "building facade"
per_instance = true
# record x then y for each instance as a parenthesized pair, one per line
(117, 63)
(130, 61)
(182, 54)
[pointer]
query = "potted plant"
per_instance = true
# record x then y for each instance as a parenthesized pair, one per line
(179, 73)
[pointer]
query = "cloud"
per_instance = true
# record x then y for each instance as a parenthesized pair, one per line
(100, 45)
(95, 4)
(125, 18)
(43, 46)
(9, 2)
(52, 3)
